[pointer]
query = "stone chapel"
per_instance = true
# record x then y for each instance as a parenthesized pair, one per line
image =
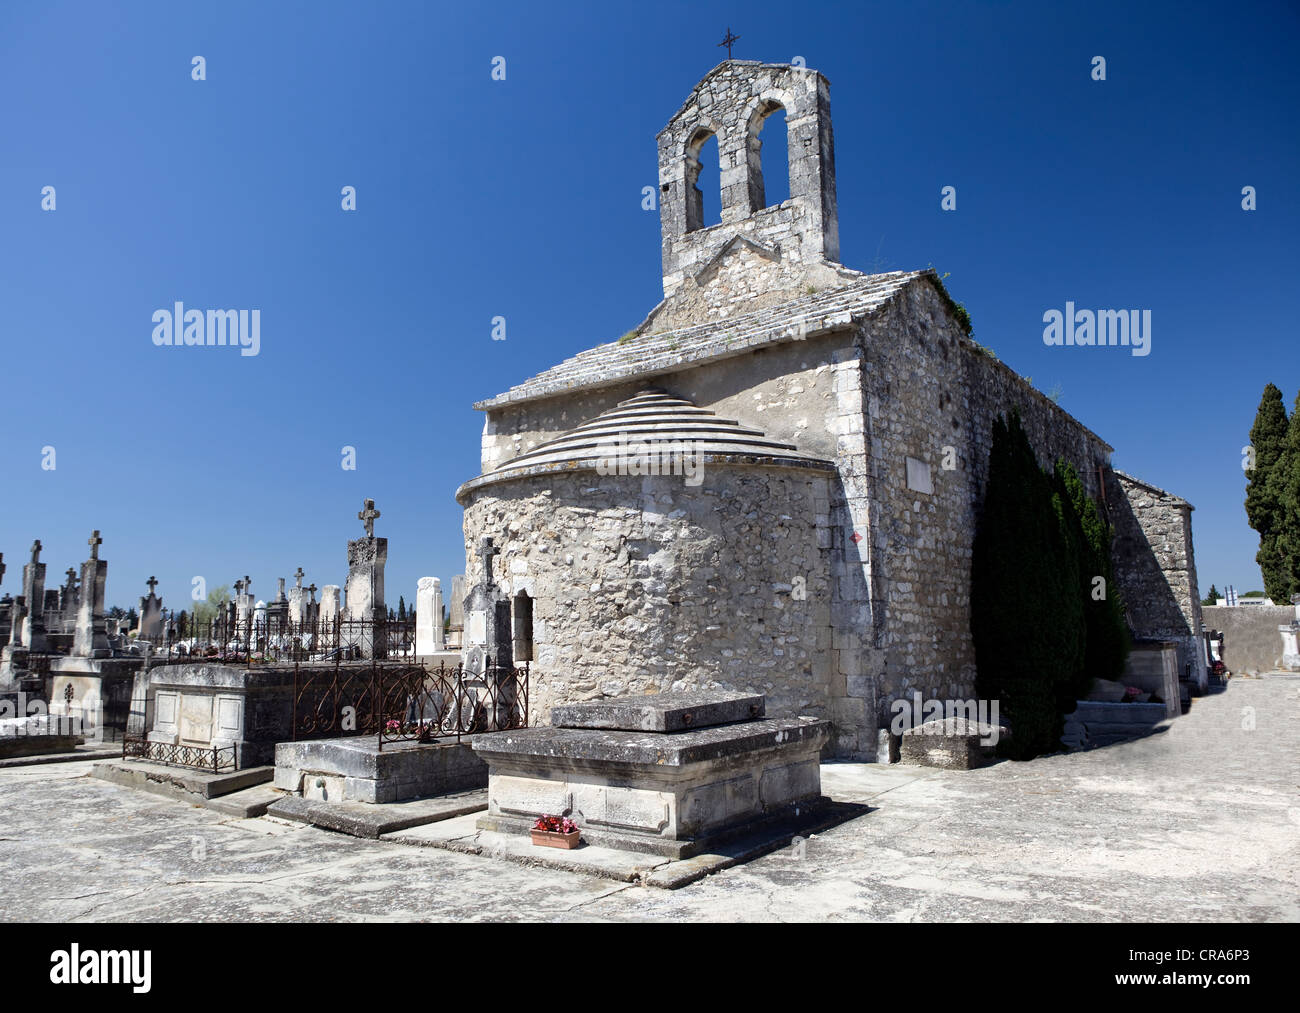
(835, 428)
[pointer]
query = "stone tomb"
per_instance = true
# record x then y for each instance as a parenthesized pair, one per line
(669, 774)
(215, 706)
(355, 769)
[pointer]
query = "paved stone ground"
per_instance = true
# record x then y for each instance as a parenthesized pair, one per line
(1199, 822)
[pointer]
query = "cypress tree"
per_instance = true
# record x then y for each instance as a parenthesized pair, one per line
(1026, 614)
(1107, 641)
(1269, 439)
(1072, 682)
(1284, 492)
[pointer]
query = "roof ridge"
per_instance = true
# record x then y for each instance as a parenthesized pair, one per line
(646, 354)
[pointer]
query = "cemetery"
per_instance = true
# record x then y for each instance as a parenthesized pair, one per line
(652, 671)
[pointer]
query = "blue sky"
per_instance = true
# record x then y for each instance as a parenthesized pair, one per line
(522, 198)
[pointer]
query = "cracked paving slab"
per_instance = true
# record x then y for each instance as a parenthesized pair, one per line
(1198, 822)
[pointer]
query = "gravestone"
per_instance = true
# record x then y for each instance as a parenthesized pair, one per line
(277, 611)
(457, 608)
(17, 614)
(329, 604)
(52, 616)
(13, 656)
(244, 602)
(33, 634)
(365, 586)
(298, 610)
(151, 611)
(487, 614)
(428, 616)
(90, 639)
(259, 623)
(488, 654)
(68, 598)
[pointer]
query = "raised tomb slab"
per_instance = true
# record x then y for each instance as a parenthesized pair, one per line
(214, 706)
(668, 792)
(355, 769)
(664, 712)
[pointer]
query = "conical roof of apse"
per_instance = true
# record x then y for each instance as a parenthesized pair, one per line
(652, 420)
(655, 417)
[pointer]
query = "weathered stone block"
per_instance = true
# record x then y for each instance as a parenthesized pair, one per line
(662, 712)
(952, 743)
(666, 793)
(355, 769)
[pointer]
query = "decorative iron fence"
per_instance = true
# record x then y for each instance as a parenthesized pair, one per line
(262, 638)
(334, 700)
(445, 702)
(214, 759)
(403, 703)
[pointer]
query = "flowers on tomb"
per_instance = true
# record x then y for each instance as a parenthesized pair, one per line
(556, 824)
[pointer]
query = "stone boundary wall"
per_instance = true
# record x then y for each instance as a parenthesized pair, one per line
(1251, 642)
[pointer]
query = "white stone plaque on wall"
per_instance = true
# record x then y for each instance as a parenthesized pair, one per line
(918, 476)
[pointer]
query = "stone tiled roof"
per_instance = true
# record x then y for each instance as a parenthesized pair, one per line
(660, 433)
(1178, 500)
(658, 418)
(647, 355)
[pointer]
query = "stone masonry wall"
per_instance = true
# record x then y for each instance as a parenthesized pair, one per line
(790, 391)
(929, 389)
(731, 103)
(1251, 642)
(905, 384)
(744, 279)
(641, 585)
(1156, 568)
(805, 393)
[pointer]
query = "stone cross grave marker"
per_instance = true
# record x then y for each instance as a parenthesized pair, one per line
(90, 637)
(367, 516)
(33, 633)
